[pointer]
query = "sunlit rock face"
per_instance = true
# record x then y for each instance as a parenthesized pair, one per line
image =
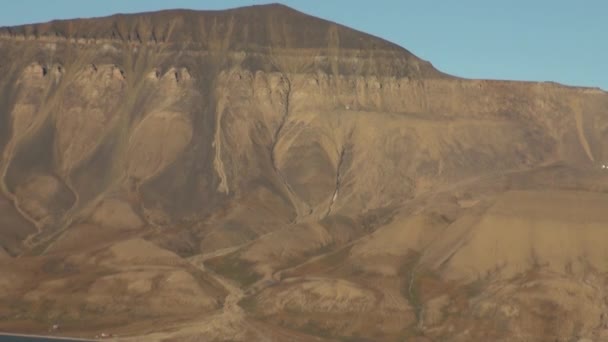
(258, 173)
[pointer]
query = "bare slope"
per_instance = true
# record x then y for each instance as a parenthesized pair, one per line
(260, 173)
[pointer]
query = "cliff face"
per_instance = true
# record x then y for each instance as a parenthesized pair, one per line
(167, 156)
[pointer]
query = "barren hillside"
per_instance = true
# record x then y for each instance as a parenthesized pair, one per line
(260, 174)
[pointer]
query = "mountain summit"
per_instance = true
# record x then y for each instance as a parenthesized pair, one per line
(262, 28)
(258, 173)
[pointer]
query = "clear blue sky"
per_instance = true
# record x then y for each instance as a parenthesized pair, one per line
(542, 40)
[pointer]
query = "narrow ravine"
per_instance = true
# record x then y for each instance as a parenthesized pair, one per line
(293, 198)
(334, 197)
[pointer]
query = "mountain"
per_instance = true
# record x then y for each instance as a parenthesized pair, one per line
(261, 174)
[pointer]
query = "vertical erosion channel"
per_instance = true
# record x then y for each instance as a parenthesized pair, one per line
(273, 152)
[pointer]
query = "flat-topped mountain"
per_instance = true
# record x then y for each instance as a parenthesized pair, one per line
(267, 29)
(258, 173)
(261, 26)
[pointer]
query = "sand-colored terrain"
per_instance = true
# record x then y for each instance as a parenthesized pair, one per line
(258, 174)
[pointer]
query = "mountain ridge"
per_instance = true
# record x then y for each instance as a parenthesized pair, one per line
(126, 27)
